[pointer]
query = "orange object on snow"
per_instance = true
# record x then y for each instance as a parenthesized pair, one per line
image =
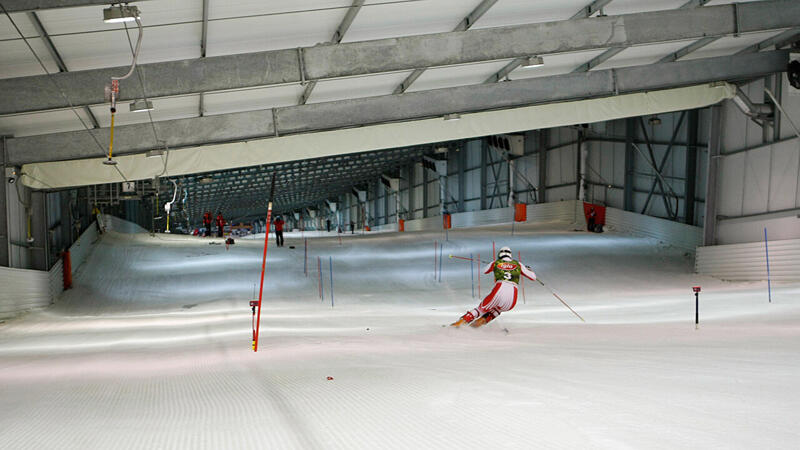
(447, 221)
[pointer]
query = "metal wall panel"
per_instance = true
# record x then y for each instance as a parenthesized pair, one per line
(666, 231)
(747, 262)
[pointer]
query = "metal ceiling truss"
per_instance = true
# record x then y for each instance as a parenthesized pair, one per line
(244, 192)
(235, 127)
(301, 65)
(36, 5)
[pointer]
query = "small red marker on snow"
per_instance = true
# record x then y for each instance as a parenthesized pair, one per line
(330, 378)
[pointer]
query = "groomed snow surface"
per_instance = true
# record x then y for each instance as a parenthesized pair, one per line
(151, 349)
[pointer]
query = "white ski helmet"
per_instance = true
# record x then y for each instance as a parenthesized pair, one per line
(505, 254)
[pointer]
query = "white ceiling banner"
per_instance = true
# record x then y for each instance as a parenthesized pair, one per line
(208, 158)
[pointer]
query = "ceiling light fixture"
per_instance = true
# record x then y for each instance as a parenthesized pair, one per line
(141, 105)
(533, 61)
(121, 13)
(154, 153)
(452, 117)
(206, 180)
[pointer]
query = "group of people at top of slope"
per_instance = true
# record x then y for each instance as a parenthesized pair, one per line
(207, 223)
(503, 296)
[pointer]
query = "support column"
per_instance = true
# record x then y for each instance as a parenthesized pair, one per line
(5, 249)
(38, 249)
(412, 169)
(462, 182)
(424, 192)
(691, 166)
(543, 141)
(512, 198)
(583, 153)
(714, 151)
(441, 171)
(385, 205)
(376, 189)
(484, 159)
(630, 161)
(394, 185)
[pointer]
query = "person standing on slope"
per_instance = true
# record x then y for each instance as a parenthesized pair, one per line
(220, 224)
(279, 231)
(503, 296)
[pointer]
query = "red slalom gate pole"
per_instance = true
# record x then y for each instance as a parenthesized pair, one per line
(264, 264)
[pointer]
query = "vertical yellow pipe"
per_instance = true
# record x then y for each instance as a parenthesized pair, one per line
(111, 142)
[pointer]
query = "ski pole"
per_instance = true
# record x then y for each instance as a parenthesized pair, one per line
(560, 299)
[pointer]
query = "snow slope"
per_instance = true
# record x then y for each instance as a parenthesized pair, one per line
(151, 349)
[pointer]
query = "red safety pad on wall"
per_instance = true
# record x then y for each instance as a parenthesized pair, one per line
(520, 212)
(446, 221)
(599, 213)
(401, 225)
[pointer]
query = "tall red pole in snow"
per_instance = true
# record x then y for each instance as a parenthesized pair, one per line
(264, 262)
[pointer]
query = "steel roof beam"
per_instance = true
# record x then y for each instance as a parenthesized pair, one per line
(386, 55)
(391, 108)
(13, 6)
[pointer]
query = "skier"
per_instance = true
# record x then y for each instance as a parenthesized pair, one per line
(220, 224)
(503, 296)
(279, 231)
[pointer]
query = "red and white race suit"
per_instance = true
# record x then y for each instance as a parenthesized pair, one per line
(503, 296)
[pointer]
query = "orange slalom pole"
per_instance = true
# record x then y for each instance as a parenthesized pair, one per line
(264, 264)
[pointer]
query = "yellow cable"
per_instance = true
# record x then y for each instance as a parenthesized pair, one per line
(111, 142)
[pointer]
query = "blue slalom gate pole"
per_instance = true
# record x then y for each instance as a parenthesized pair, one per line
(472, 273)
(766, 249)
(330, 265)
